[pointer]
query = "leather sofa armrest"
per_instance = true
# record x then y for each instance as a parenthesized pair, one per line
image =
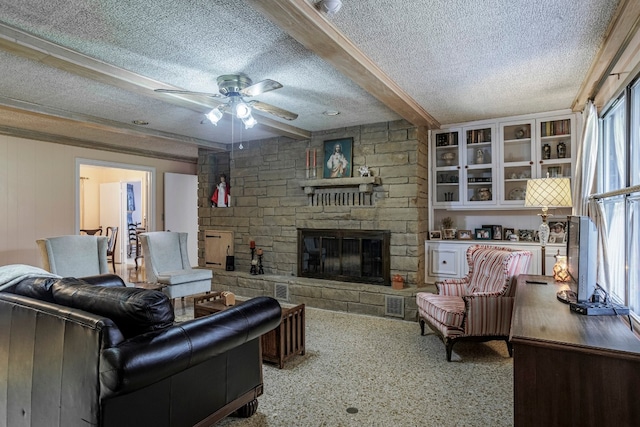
(151, 357)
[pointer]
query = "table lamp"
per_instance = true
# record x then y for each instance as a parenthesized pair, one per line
(545, 193)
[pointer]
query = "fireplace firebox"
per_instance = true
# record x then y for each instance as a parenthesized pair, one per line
(344, 255)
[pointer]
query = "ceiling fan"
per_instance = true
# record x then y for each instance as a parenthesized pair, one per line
(233, 88)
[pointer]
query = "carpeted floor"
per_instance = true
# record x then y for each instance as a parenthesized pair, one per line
(385, 372)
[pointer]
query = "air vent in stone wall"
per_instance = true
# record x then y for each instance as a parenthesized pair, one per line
(394, 306)
(281, 292)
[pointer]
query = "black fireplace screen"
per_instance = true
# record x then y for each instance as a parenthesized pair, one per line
(344, 255)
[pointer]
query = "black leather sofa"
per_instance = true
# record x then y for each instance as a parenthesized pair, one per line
(92, 352)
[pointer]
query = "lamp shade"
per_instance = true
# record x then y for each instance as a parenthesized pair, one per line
(548, 192)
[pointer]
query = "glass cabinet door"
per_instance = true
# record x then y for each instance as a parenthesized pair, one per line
(556, 147)
(518, 157)
(447, 167)
(478, 161)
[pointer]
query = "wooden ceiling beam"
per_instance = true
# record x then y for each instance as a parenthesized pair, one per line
(622, 29)
(302, 21)
(28, 46)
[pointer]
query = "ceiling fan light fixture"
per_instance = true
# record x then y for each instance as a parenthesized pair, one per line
(214, 115)
(249, 121)
(242, 110)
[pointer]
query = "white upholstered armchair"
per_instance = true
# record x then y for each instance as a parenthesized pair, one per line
(478, 306)
(167, 262)
(74, 255)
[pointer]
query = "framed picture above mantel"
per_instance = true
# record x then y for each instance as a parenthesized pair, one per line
(338, 158)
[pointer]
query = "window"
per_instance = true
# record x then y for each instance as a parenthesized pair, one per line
(634, 152)
(634, 253)
(614, 147)
(619, 168)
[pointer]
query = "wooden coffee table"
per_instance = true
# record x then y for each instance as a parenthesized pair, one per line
(204, 305)
(286, 340)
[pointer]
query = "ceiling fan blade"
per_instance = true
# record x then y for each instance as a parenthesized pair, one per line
(188, 92)
(271, 109)
(261, 87)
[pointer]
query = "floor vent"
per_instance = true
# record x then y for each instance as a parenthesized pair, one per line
(394, 306)
(281, 292)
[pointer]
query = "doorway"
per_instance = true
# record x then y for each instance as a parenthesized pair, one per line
(112, 194)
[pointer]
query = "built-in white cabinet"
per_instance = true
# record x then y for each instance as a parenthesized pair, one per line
(488, 163)
(533, 148)
(446, 259)
(464, 166)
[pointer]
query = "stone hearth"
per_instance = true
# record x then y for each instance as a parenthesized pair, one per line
(325, 294)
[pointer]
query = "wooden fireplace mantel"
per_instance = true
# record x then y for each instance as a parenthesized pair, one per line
(364, 183)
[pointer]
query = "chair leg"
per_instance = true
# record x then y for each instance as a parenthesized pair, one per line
(421, 326)
(449, 345)
(509, 347)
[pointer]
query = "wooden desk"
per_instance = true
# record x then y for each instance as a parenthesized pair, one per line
(570, 369)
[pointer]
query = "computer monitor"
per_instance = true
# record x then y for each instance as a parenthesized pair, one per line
(582, 262)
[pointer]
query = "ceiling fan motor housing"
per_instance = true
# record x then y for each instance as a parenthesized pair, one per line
(229, 84)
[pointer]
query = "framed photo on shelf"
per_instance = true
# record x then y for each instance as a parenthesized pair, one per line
(465, 235)
(435, 235)
(526, 235)
(338, 158)
(449, 233)
(555, 171)
(496, 231)
(557, 232)
(483, 233)
(508, 232)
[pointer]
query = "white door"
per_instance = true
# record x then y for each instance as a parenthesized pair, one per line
(112, 213)
(181, 209)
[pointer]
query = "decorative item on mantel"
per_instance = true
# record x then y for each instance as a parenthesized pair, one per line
(311, 156)
(365, 171)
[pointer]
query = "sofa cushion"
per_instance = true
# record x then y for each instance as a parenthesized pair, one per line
(134, 310)
(448, 310)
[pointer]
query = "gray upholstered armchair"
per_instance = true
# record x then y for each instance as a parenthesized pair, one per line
(74, 255)
(167, 263)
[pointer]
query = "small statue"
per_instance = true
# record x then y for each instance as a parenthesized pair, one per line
(479, 156)
(221, 194)
(364, 171)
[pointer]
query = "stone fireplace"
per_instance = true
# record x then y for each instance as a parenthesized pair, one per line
(344, 255)
(272, 200)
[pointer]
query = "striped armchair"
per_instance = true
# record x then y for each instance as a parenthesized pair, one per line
(478, 306)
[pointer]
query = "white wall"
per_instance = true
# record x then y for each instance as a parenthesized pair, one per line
(38, 188)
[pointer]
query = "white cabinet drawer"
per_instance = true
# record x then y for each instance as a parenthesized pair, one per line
(444, 262)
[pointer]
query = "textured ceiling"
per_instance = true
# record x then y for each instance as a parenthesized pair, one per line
(91, 67)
